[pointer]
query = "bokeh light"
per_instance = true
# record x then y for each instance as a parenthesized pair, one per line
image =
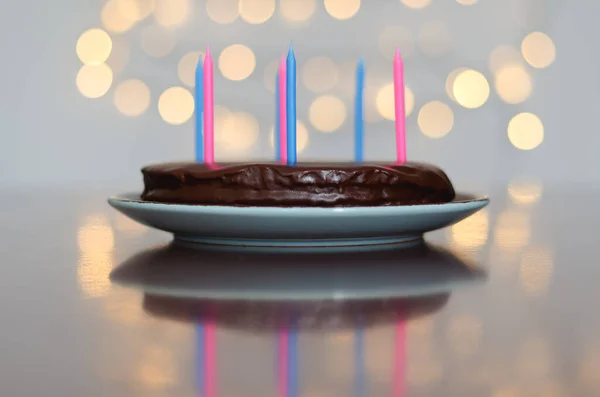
(450, 81)
(538, 50)
(512, 230)
(113, 18)
(471, 89)
(342, 9)
(513, 84)
(222, 11)
(327, 113)
(170, 13)
(467, 2)
(320, 74)
(435, 39)
(435, 119)
(132, 97)
(237, 62)
(256, 11)
(157, 42)
(96, 241)
(93, 81)
(176, 105)
(186, 69)
(525, 192)
(385, 101)
(269, 75)
(393, 37)
(535, 272)
(526, 131)
(119, 56)
(416, 3)
(503, 56)
(472, 232)
(93, 46)
(296, 11)
(235, 132)
(302, 137)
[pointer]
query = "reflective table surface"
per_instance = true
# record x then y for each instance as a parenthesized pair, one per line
(501, 305)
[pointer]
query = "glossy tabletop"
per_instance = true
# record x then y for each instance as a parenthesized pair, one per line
(502, 304)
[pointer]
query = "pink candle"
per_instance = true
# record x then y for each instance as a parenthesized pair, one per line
(400, 359)
(209, 109)
(282, 111)
(399, 108)
(209, 359)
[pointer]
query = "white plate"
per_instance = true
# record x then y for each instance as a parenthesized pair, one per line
(297, 226)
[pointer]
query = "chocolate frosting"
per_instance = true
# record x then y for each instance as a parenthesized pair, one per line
(303, 185)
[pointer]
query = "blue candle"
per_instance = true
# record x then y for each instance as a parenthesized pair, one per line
(291, 106)
(200, 357)
(199, 94)
(359, 123)
(277, 130)
(359, 376)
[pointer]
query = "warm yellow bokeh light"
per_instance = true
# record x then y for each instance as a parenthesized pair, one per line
(320, 74)
(186, 69)
(176, 105)
(450, 82)
(435, 119)
(525, 192)
(342, 9)
(526, 131)
(538, 50)
(94, 46)
(237, 62)
(223, 11)
(512, 230)
(471, 89)
(435, 39)
(472, 232)
(132, 97)
(297, 10)
(416, 3)
(170, 13)
(513, 84)
(235, 132)
(119, 56)
(256, 11)
(93, 81)
(535, 272)
(503, 56)
(95, 235)
(385, 101)
(301, 137)
(157, 42)
(114, 20)
(96, 242)
(327, 113)
(393, 37)
(269, 75)
(467, 2)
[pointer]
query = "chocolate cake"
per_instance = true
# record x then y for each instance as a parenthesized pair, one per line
(303, 185)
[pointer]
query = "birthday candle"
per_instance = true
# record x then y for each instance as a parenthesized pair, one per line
(291, 107)
(209, 358)
(359, 376)
(200, 336)
(209, 109)
(358, 113)
(283, 110)
(399, 359)
(399, 108)
(198, 93)
(292, 377)
(276, 133)
(282, 361)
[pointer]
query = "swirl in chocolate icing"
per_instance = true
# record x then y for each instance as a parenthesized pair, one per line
(310, 184)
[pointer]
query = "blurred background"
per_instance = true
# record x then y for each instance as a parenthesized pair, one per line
(496, 89)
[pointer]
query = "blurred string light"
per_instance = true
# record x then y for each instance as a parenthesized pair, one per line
(176, 105)
(538, 50)
(256, 11)
(470, 89)
(513, 84)
(393, 37)
(186, 69)
(416, 3)
(296, 11)
(237, 62)
(132, 97)
(327, 113)
(223, 11)
(235, 132)
(94, 46)
(320, 74)
(157, 42)
(94, 81)
(525, 192)
(512, 230)
(526, 131)
(114, 19)
(342, 9)
(96, 242)
(472, 232)
(435, 39)
(450, 81)
(302, 138)
(467, 2)
(169, 13)
(435, 119)
(535, 272)
(385, 101)
(119, 56)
